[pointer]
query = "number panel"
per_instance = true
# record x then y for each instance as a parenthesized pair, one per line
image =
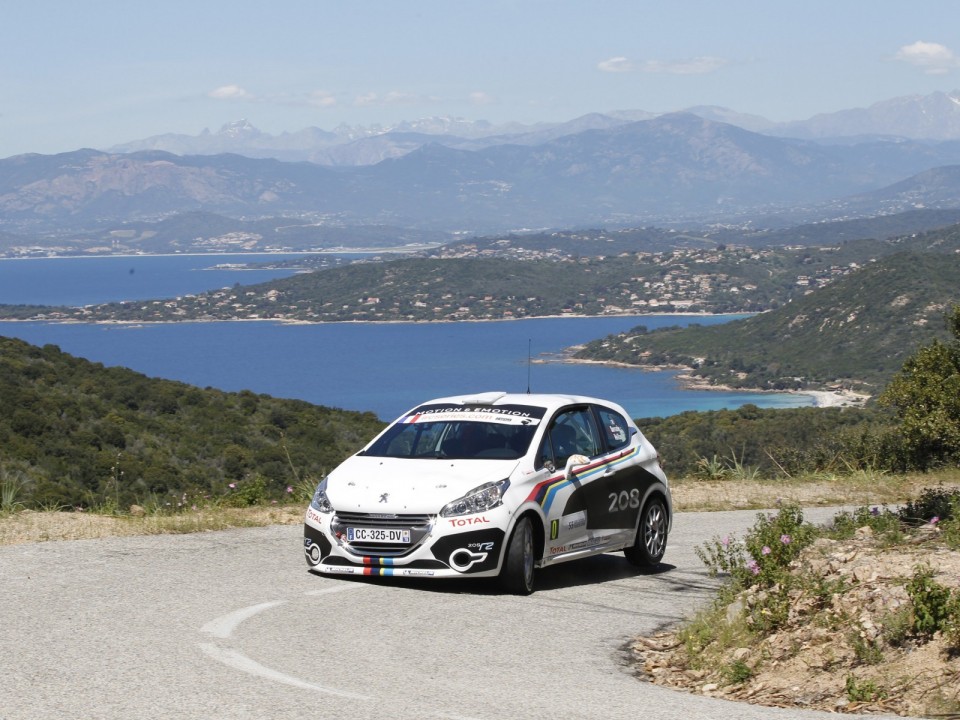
(611, 501)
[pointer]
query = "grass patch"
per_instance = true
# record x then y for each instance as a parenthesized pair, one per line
(49, 525)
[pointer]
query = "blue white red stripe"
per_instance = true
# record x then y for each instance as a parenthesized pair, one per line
(544, 492)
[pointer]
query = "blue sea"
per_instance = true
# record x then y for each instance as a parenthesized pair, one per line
(383, 368)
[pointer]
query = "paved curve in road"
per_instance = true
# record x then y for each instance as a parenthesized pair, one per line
(231, 625)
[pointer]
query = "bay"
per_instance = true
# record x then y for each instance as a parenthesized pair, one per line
(384, 368)
(388, 368)
(90, 280)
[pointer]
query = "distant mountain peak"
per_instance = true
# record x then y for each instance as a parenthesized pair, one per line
(239, 129)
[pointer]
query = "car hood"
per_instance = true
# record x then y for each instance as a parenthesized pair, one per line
(404, 486)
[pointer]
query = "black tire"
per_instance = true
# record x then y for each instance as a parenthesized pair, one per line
(516, 576)
(651, 541)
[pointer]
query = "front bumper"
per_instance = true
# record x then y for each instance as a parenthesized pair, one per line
(469, 545)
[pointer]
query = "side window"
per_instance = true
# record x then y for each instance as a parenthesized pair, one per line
(616, 431)
(572, 432)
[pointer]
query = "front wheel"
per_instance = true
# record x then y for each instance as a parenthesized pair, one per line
(651, 541)
(517, 573)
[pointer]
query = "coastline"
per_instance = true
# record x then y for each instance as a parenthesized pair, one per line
(820, 398)
(224, 253)
(298, 321)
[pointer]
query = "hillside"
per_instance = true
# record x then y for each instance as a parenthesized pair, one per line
(854, 332)
(78, 434)
(203, 232)
(479, 288)
(529, 276)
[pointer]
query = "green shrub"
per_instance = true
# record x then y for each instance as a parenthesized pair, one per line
(247, 492)
(737, 672)
(762, 560)
(938, 502)
(897, 626)
(933, 603)
(884, 523)
(863, 691)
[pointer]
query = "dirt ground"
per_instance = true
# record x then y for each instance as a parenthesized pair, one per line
(837, 658)
(30, 526)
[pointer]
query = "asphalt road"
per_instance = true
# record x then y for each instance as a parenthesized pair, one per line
(231, 625)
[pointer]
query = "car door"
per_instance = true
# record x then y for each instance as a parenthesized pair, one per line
(572, 431)
(616, 498)
(598, 505)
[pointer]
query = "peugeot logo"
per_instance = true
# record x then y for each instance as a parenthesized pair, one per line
(383, 498)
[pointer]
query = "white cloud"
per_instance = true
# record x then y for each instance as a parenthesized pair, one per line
(365, 100)
(693, 66)
(932, 58)
(230, 92)
(321, 99)
(394, 97)
(479, 97)
(615, 65)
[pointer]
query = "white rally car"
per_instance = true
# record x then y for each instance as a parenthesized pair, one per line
(492, 485)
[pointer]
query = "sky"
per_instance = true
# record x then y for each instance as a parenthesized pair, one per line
(98, 73)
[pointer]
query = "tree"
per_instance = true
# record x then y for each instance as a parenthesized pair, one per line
(926, 396)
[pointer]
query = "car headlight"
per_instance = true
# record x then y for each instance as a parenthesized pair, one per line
(320, 502)
(486, 497)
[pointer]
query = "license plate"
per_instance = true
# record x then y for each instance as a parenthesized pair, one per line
(378, 535)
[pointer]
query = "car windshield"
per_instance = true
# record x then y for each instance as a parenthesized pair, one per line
(466, 433)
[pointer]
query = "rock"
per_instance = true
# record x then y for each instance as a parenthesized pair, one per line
(137, 511)
(735, 610)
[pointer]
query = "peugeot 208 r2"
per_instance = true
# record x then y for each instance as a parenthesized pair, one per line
(492, 485)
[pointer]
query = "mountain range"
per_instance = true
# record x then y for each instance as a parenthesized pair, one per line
(917, 117)
(599, 171)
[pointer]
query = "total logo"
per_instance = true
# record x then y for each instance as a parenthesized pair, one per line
(464, 522)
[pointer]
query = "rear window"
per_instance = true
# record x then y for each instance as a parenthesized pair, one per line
(616, 431)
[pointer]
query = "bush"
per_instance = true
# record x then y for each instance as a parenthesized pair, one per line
(762, 560)
(938, 503)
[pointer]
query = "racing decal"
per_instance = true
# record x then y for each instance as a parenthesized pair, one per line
(382, 572)
(464, 521)
(612, 502)
(615, 432)
(507, 414)
(594, 543)
(470, 552)
(315, 545)
(576, 520)
(543, 493)
(348, 566)
(554, 529)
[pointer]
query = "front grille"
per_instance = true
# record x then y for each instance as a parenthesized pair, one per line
(373, 520)
(419, 526)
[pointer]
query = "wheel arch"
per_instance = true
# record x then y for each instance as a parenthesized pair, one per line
(657, 490)
(539, 532)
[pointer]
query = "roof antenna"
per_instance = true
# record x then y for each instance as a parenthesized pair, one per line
(529, 342)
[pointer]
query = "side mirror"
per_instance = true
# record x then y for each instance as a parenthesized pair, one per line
(572, 462)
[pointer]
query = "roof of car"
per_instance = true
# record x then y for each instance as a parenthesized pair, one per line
(546, 400)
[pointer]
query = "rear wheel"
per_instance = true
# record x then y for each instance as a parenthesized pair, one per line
(651, 541)
(517, 573)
